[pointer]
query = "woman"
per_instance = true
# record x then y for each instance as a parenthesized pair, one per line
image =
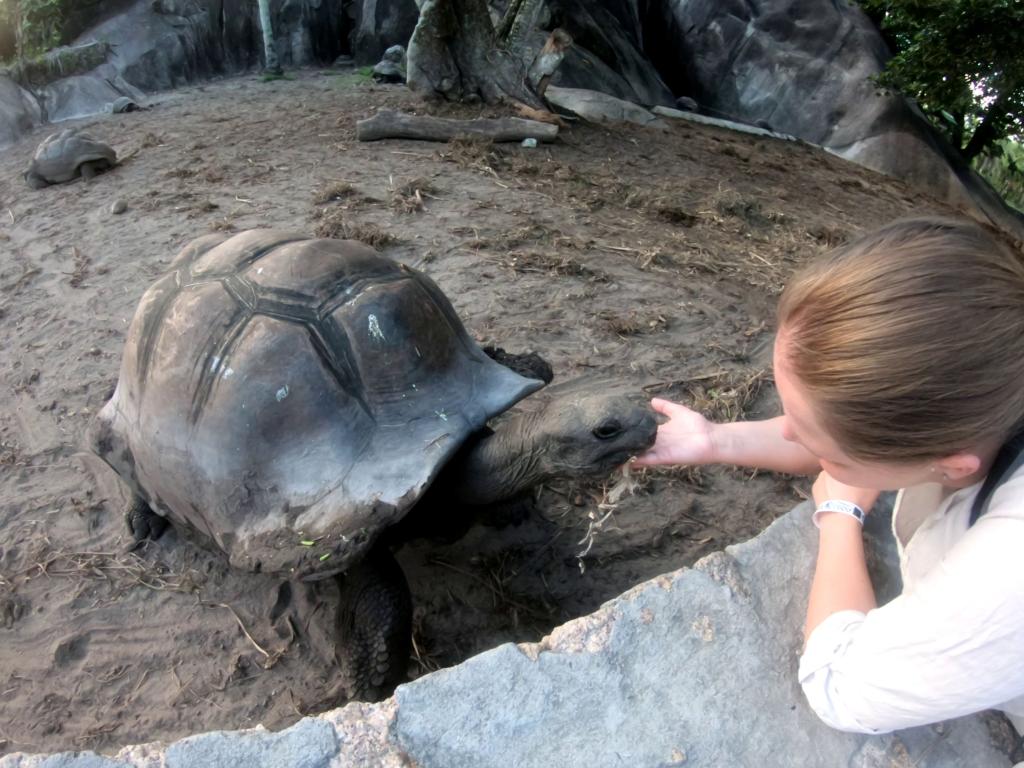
(899, 361)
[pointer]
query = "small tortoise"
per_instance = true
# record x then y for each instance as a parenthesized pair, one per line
(67, 155)
(292, 399)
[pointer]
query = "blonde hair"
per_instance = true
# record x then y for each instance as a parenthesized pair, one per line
(909, 340)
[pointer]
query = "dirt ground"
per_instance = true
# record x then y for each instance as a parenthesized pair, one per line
(629, 258)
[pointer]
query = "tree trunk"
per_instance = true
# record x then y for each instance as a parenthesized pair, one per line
(387, 124)
(273, 67)
(457, 53)
(982, 137)
(988, 129)
(19, 37)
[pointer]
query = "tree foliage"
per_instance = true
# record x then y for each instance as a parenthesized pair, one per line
(962, 60)
(36, 24)
(1004, 170)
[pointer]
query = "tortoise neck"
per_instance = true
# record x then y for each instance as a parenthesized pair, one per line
(503, 464)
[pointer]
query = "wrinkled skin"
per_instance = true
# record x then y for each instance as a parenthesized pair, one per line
(580, 434)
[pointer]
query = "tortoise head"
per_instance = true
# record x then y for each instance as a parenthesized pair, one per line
(33, 179)
(589, 434)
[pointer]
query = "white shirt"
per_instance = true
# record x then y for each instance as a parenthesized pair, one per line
(953, 642)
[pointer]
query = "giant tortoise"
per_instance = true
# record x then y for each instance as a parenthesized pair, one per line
(291, 399)
(67, 155)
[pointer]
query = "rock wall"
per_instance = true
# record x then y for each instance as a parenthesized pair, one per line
(695, 668)
(160, 44)
(379, 24)
(803, 67)
(19, 111)
(153, 45)
(608, 50)
(84, 14)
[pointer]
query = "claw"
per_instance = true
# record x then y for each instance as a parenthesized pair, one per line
(143, 523)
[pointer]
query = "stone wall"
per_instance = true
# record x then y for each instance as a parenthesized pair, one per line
(804, 67)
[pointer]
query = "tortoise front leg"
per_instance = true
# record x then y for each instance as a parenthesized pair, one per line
(374, 626)
(92, 168)
(143, 522)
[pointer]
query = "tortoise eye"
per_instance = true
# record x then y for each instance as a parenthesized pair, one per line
(608, 430)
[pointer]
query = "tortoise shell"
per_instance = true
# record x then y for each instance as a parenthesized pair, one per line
(289, 398)
(60, 155)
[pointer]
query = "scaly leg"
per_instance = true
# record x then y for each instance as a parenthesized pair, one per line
(374, 626)
(143, 522)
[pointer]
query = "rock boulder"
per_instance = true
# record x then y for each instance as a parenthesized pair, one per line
(380, 24)
(803, 67)
(608, 50)
(19, 111)
(152, 45)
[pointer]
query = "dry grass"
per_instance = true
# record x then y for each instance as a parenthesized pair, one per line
(180, 173)
(828, 235)
(336, 224)
(224, 224)
(662, 205)
(764, 264)
(544, 263)
(494, 573)
(79, 268)
(731, 203)
(470, 152)
(509, 239)
(423, 655)
(721, 395)
(334, 192)
(482, 155)
(408, 197)
(674, 214)
(728, 395)
(122, 570)
(632, 323)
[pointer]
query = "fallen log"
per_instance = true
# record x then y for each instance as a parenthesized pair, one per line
(388, 124)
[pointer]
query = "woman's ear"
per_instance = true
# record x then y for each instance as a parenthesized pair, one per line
(958, 466)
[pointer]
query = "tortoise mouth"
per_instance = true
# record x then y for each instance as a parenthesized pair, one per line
(617, 441)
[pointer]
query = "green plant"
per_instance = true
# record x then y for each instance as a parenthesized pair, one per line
(269, 77)
(962, 61)
(36, 24)
(1003, 167)
(356, 77)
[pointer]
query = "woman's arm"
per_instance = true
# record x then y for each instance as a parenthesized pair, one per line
(841, 581)
(689, 438)
(950, 647)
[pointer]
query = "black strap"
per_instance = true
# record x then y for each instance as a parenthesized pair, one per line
(1008, 460)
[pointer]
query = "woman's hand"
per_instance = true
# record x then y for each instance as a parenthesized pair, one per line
(827, 487)
(684, 439)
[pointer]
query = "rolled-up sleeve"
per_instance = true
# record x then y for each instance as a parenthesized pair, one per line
(826, 645)
(952, 647)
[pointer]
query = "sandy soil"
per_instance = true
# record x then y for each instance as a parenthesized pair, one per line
(628, 258)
